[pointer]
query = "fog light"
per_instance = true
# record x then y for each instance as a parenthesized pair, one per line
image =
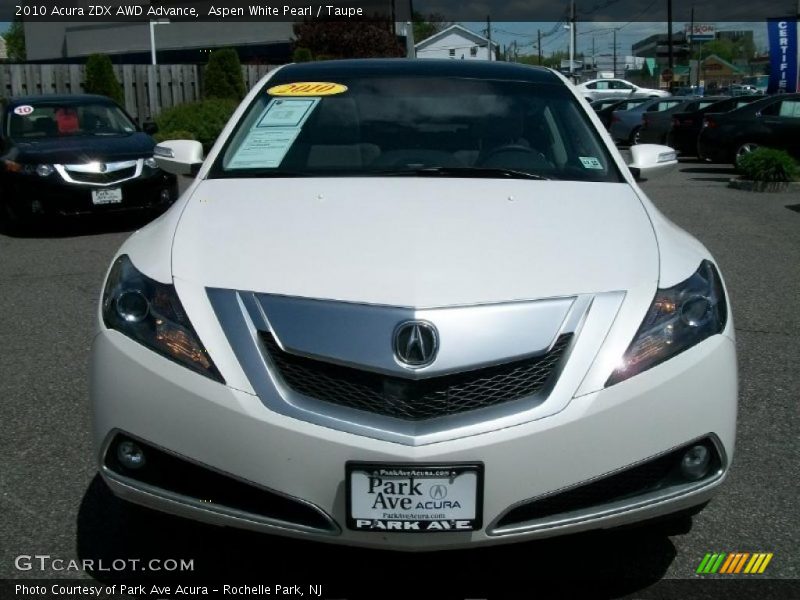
(132, 306)
(130, 455)
(44, 170)
(36, 207)
(165, 195)
(695, 462)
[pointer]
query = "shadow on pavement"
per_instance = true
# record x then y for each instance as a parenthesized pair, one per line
(728, 170)
(623, 560)
(77, 226)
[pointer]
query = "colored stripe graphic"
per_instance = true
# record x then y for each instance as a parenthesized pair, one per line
(734, 563)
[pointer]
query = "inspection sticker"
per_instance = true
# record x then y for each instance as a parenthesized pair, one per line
(590, 162)
(307, 88)
(23, 109)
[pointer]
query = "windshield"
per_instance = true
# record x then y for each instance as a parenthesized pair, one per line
(418, 126)
(42, 121)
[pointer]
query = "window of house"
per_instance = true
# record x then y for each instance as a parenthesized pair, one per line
(452, 51)
(473, 51)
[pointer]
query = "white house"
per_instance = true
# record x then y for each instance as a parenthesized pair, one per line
(456, 42)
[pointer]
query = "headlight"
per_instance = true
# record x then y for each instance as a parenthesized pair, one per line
(151, 313)
(44, 170)
(150, 163)
(679, 318)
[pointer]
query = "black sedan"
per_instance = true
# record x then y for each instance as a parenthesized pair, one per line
(605, 108)
(77, 154)
(656, 125)
(773, 122)
(686, 125)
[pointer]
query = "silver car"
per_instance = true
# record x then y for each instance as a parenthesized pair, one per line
(627, 124)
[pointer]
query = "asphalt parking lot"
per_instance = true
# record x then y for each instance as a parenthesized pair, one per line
(53, 503)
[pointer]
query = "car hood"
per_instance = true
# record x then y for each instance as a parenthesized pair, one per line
(81, 149)
(415, 241)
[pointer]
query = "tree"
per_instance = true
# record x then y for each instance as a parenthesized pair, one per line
(347, 39)
(426, 26)
(302, 55)
(223, 75)
(15, 42)
(100, 78)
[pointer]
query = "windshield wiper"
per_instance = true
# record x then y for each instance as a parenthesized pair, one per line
(462, 172)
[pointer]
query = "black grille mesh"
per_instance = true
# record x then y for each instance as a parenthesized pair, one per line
(415, 400)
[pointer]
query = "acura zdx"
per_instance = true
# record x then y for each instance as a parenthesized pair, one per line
(414, 305)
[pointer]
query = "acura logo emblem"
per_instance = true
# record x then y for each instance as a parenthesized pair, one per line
(438, 492)
(416, 343)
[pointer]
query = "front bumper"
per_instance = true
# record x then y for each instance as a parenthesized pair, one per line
(41, 197)
(231, 432)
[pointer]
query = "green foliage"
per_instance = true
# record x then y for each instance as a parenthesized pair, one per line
(203, 120)
(347, 39)
(100, 78)
(173, 135)
(427, 25)
(767, 164)
(302, 55)
(15, 42)
(223, 75)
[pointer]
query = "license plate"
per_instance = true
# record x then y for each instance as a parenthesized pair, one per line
(414, 498)
(107, 196)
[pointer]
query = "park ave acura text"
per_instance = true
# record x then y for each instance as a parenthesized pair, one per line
(414, 305)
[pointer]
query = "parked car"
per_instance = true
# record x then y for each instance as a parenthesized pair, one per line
(75, 155)
(686, 125)
(599, 89)
(656, 125)
(407, 299)
(606, 108)
(773, 121)
(626, 125)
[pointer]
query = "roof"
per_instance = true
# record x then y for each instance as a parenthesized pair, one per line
(400, 67)
(459, 30)
(58, 98)
(731, 66)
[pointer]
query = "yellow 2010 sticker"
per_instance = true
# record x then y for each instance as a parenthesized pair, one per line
(307, 88)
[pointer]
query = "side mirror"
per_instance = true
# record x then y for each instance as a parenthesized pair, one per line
(179, 157)
(651, 160)
(149, 128)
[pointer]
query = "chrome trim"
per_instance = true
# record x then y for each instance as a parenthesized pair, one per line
(242, 315)
(612, 508)
(208, 507)
(99, 167)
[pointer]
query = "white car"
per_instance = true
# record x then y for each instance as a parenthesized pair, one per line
(600, 89)
(414, 305)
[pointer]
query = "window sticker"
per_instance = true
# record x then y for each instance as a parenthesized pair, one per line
(307, 88)
(590, 162)
(290, 112)
(23, 110)
(266, 144)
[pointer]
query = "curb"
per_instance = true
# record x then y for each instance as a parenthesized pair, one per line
(749, 185)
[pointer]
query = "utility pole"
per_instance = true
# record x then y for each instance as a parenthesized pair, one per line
(572, 40)
(539, 43)
(489, 34)
(615, 53)
(594, 60)
(691, 51)
(670, 57)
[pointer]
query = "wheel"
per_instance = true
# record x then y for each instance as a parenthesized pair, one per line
(743, 150)
(636, 136)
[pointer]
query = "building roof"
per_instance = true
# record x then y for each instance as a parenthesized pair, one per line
(731, 66)
(458, 30)
(398, 67)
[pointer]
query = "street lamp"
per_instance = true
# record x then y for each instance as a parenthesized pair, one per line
(153, 38)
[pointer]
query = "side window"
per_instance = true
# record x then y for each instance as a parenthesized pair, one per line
(621, 85)
(661, 106)
(592, 86)
(790, 108)
(602, 85)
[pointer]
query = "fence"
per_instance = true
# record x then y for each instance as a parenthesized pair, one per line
(148, 89)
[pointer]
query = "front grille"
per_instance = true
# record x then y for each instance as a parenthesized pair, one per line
(105, 178)
(416, 400)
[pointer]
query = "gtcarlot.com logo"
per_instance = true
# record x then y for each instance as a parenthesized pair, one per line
(734, 563)
(45, 562)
